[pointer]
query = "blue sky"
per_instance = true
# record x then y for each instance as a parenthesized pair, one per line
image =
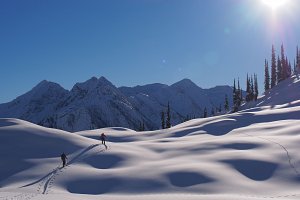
(136, 42)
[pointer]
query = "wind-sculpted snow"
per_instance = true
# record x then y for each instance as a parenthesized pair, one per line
(252, 154)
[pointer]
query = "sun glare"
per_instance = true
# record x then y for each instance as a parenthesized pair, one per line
(274, 4)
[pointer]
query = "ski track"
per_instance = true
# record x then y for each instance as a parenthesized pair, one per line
(46, 182)
(281, 146)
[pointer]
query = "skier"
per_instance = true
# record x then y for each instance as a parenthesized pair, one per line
(63, 159)
(103, 137)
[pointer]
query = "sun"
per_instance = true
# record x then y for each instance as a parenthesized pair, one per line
(274, 4)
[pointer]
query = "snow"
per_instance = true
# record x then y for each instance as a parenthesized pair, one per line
(251, 154)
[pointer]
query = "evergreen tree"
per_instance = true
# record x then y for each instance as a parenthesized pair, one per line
(205, 113)
(248, 90)
(252, 89)
(255, 87)
(295, 67)
(298, 60)
(238, 94)
(226, 104)
(279, 70)
(143, 126)
(212, 111)
(289, 69)
(234, 97)
(163, 123)
(274, 77)
(220, 109)
(284, 67)
(267, 76)
(168, 121)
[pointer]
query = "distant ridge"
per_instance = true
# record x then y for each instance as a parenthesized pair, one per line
(97, 103)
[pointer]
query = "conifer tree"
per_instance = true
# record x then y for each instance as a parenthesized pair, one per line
(289, 69)
(255, 87)
(298, 60)
(238, 94)
(143, 126)
(279, 70)
(284, 66)
(274, 77)
(252, 89)
(205, 113)
(168, 121)
(220, 109)
(267, 76)
(140, 126)
(226, 104)
(248, 89)
(234, 97)
(212, 111)
(295, 67)
(163, 123)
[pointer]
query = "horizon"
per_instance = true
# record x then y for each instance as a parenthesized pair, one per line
(135, 42)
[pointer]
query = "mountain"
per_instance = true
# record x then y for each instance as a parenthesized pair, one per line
(39, 103)
(248, 155)
(97, 103)
(185, 98)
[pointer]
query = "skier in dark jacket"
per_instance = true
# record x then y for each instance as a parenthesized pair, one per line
(63, 159)
(103, 137)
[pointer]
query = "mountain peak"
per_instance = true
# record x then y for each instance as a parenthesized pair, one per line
(184, 83)
(45, 85)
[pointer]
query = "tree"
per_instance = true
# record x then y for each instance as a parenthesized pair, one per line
(279, 70)
(298, 60)
(226, 104)
(234, 97)
(248, 90)
(238, 94)
(142, 126)
(284, 67)
(168, 121)
(255, 87)
(212, 111)
(273, 68)
(267, 76)
(289, 69)
(252, 89)
(162, 117)
(205, 113)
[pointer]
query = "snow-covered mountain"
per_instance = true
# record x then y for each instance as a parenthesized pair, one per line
(37, 104)
(248, 155)
(97, 103)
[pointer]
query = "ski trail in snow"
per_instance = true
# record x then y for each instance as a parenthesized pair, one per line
(46, 182)
(78, 157)
(284, 148)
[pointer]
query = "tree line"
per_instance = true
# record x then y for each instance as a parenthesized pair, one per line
(280, 68)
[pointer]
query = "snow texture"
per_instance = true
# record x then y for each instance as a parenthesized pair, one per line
(251, 154)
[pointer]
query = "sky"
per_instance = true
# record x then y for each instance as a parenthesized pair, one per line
(138, 42)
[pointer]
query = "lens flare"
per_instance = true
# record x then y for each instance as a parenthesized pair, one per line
(274, 4)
